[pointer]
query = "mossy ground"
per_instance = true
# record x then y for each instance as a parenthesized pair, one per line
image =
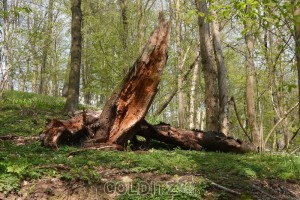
(25, 114)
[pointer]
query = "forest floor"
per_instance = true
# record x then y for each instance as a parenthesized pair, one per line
(30, 171)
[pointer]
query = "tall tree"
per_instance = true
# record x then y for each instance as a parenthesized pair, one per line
(4, 64)
(74, 76)
(249, 39)
(192, 96)
(296, 4)
(209, 69)
(46, 48)
(222, 76)
(179, 62)
(123, 5)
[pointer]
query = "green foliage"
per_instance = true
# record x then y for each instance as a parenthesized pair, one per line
(8, 183)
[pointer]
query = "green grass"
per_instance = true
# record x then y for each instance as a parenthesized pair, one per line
(30, 161)
(25, 114)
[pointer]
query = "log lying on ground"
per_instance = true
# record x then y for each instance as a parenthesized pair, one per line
(193, 139)
(76, 131)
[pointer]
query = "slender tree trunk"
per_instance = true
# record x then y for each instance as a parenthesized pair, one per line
(249, 39)
(46, 47)
(209, 70)
(55, 70)
(222, 76)
(297, 41)
(181, 111)
(64, 92)
(172, 93)
(192, 96)
(4, 64)
(140, 24)
(85, 70)
(74, 76)
(123, 5)
(33, 50)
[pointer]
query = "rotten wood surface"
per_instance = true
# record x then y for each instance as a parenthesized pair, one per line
(131, 100)
(193, 139)
(77, 131)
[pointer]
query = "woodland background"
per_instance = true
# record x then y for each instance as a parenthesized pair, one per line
(35, 57)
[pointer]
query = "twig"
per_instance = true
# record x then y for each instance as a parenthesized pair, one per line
(162, 106)
(294, 151)
(58, 166)
(264, 192)
(219, 186)
(295, 134)
(238, 118)
(91, 148)
(225, 188)
(9, 137)
(275, 126)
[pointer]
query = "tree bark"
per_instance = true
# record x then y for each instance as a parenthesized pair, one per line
(74, 76)
(46, 47)
(249, 39)
(192, 96)
(123, 5)
(222, 76)
(130, 101)
(209, 70)
(296, 4)
(179, 61)
(76, 130)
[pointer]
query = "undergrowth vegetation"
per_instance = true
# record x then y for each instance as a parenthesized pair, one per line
(32, 161)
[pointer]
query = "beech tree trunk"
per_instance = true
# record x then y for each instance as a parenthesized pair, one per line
(249, 39)
(222, 76)
(46, 47)
(192, 96)
(74, 76)
(296, 4)
(179, 63)
(209, 70)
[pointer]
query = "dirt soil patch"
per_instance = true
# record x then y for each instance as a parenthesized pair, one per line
(115, 182)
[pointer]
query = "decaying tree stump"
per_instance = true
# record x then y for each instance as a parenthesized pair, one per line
(123, 115)
(130, 101)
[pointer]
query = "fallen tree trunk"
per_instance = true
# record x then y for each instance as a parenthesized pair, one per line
(78, 130)
(123, 115)
(193, 139)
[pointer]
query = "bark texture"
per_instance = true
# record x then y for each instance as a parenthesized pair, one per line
(130, 101)
(46, 48)
(297, 41)
(222, 76)
(81, 127)
(249, 39)
(209, 70)
(74, 76)
(179, 63)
